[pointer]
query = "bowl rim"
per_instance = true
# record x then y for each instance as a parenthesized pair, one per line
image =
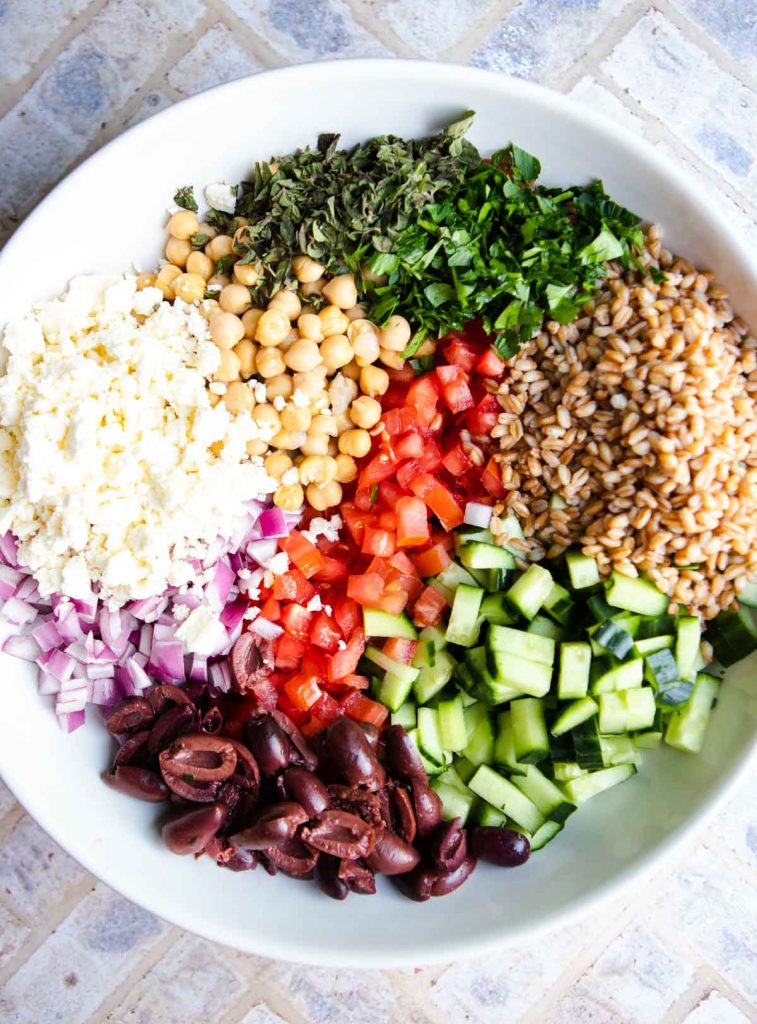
(442, 948)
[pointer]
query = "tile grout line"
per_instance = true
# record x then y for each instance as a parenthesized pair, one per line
(111, 1002)
(604, 44)
(254, 45)
(380, 30)
(483, 29)
(705, 981)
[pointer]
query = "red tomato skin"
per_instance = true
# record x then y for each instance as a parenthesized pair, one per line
(325, 633)
(428, 609)
(412, 523)
(400, 649)
(491, 364)
(366, 589)
(491, 478)
(461, 353)
(362, 709)
(302, 553)
(344, 663)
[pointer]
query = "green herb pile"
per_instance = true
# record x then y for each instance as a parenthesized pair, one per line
(437, 233)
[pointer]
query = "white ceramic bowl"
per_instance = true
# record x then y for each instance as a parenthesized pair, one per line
(109, 213)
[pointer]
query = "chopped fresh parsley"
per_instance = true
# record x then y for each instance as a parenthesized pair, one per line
(199, 241)
(224, 265)
(374, 494)
(185, 197)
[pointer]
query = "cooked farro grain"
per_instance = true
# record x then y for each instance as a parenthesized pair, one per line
(642, 416)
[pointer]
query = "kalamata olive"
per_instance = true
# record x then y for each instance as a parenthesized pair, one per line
(327, 876)
(372, 734)
(138, 782)
(403, 815)
(176, 721)
(427, 806)
(130, 715)
(351, 754)
(133, 750)
(402, 757)
(446, 882)
(191, 831)
(293, 857)
(368, 806)
(502, 846)
(212, 721)
(307, 789)
(417, 884)
(341, 834)
(268, 744)
(226, 855)
(303, 753)
(199, 758)
(391, 855)
(359, 878)
(272, 826)
(164, 696)
(246, 774)
(447, 846)
(251, 661)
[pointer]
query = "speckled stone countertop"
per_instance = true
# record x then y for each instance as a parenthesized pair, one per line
(682, 73)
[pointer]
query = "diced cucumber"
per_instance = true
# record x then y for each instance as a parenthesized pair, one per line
(529, 730)
(612, 713)
(470, 534)
(652, 644)
(733, 635)
(582, 570)
(525, 676)
(429, 739)
(378, 623)
(480, 746)
(560, 605)
(496, 610)
(456, 802)
(452, 724)
(650, 738)
(393, 690)
(635, 595)
(544, 794)
(429, 767)
(657, 625)
(573, 714)
(687, 726)
(530, 590)
(430, 642)
(607, 675)
(405, 716)
(452, 777)
(525, 645)
(674, 694)
(640, 708)
(511, 530)
(502, 794)
(578, 791)
(378, 657)
(661, 668)
(464, 622)
(599, 608)
(688, 638)
(504, 745)
(474, 675)
(618, 750)
(565, 770)
(613, 638)
(451, 578)
(544, 834)
(486, 556)
(748, 595)
(586, 742)
(543, 626)
(489, 817)
(464, 769)
(433, 679)
(575, 665)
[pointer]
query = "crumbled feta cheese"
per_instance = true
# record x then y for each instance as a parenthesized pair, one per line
(279, 403)
(314, 604)
(258, 390)
(290, 477)
(202, 632)
(279, 563)
(300, 399)
(221, 196)
(320, 527)
(107, 477)
(327, 608)
(244, 574)
(251, 613)
(341, 645)
(213, 288)
(180, 612)
(217, 387)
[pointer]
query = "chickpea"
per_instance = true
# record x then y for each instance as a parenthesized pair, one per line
(182, 224)
(355, 313)
(228, 368)
(373, 380)
(213, 399)
(427, 348)
(288, 302)
(342, 393)
(145, 280)
(294, 417)
(247, 273)
(336, 352)
(240, 222)
(356, 443)
(306, 270)
(250, 322)
(365, 412)
(351, 371)
(280, 386)
(365, 343)
(303, 356)
(309, 327)
(395, 334)
(323, 424)
(346, 468)
(286, 344)
(277, 464)
(189, 287)
(246, 351)
(333, 448)
(309, 290)
(267, 418)
(269, 362)
(206, 229)
(217, 282)
(209, 308)
(341, 291)
(177, 252)
(312, 384)
(317, 469)
(289, 498)
(256, 447)
(238, 398)
(168, 273)
(343, 422)
(323, 497)
(199, 263)
(333, 321)
(391, 359)
(226, 330)
(235, 298)
(315, 444)
(220, 246)
(290, 440)
(272, 328)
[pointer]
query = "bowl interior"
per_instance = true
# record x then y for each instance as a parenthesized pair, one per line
(108, 215)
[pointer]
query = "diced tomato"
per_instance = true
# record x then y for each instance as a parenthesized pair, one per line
(394, 599)
(347, 615)
(432, 561)
(362, 709)
(412, 523)
(397, 421)
(431, 458)
(364, 500)
(292, 586)
(461, 353)
(314, 662)
(331, 570)
(457, 461)
(344, 663)
(402, 563)
(303, 691)
(325, 633)
(407, 472)
(296, 620)
(355, 520)
(482, 420)
(490, 364)
(325, 710)
(379, 542)
(289, 651)
(491, 479)
(381, 467)
(302, 553)
(455, 390)
(440, 500)
(410, 585)
(271, 609)
(389, 492)
(401, 650)
(422, 484)
(428, 609)
(381, 566)
(409, 446)
(356, 682)
(401, 376)
(388, 521)
(424, 392)
(291, 710)
(366, 589)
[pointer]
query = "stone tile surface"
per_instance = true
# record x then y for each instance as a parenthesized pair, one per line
(716, 1009)
(13, 934)
(216, 58)
(27, 30)
(732, 24)
(7, 800)
(430, 37)
(34, 872)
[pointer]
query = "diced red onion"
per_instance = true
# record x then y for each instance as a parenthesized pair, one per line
(103, 691)
(22, 646)
(477, 514)
(46, 684)
(71, 721)
(167, 660)
(217, 591)
(9, 550)
(87, 608)
(48, 635)
(28, 590)
(265, 628)
(58, 664)
(273, 523)
(68, 623)
(199, 669)
(145, 639)
(219, 676)
(9, 581)
(262, 551)
(233, 614)
(106, 671)
(18, 612)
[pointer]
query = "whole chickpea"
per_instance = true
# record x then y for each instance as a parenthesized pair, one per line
(395, 334)
(228, 368)
(226, 330)
(256, 447)
(341, 291)
(246, 351)
(343, 422)
(183, 224)
(317, 469)
(315, 444)
(199, 263)
(220, 246)
(333, 321)
(306, 270)
(168, 273)
(346, 468)
(290, 440)
(277, 464)
(323, 497)
(356, 443)
(351, 371)
(145, 280)
(336, 352)
(373, 380)
(323, 423)
(267, 419)
(218, 281)
(288, 302)
(290, 497)
(238, 398)
(272, 327)
(209, 308)
(427, 348)
(315, 288)
(286, 344)
(177, 252)
(269, 362)
(391, 359)
(280, 386)
(250, 322)
(365, 342)
(189, 287)
(365, 412)
(247, 274)
(309, 327)
(312, 384)
(235, 298)
(206, 229)
(294, 417)
(303, 356)
(355, 313)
